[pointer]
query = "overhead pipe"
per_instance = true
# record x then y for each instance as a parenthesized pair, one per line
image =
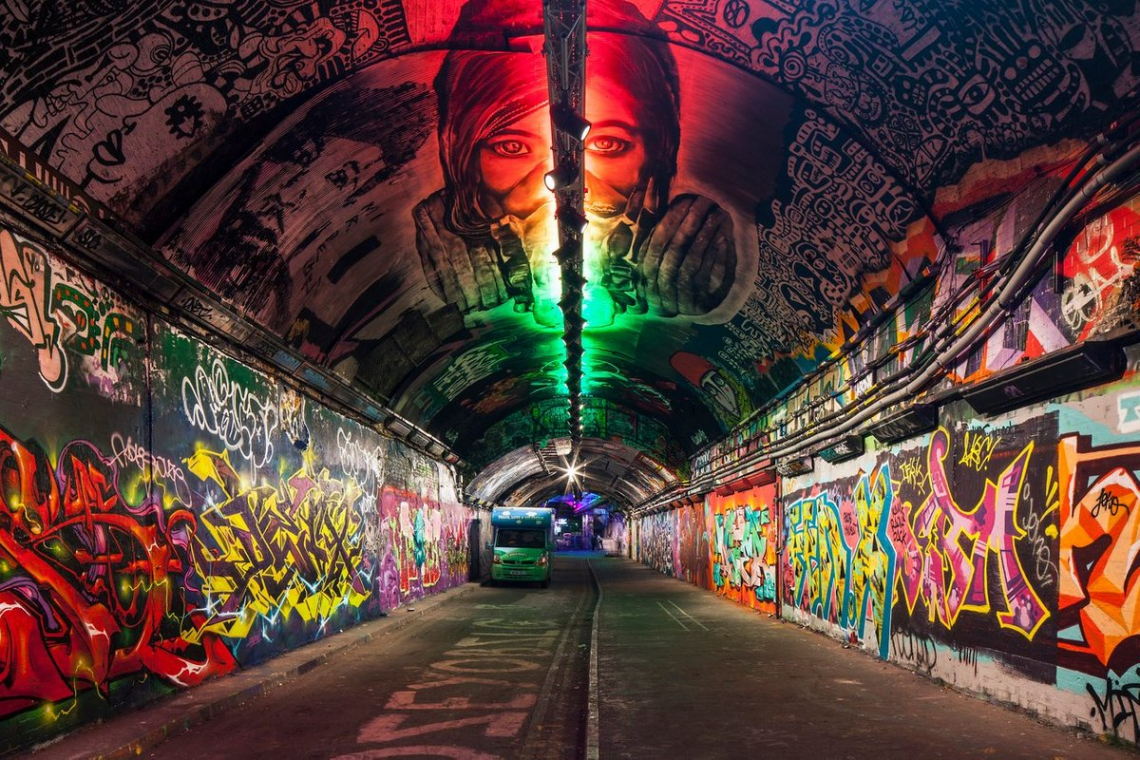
(1008, 294)
(1010, 291)
(1101, 141)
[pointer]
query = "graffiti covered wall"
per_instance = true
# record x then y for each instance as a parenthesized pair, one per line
(743, 546)
(1098, 499)
(168, 514)
(656, 537)
(995, 554)
(937, 541)
(725, 544)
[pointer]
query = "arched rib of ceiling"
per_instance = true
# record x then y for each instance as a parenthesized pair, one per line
(529, 475)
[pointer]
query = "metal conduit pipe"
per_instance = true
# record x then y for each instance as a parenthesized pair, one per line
(901, 390)
(1020, 276)
(1009, 290)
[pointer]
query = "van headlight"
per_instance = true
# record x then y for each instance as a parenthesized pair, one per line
(497, 560)
(541, 561)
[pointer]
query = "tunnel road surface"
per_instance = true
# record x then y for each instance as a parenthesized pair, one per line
(497, 673)
(678, 673)
(684, 673)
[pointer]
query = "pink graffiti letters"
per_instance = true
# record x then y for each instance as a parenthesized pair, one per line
(954, 578)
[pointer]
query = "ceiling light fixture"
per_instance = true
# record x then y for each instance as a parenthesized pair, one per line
(573, 219)
(566, 120)
(561, 176)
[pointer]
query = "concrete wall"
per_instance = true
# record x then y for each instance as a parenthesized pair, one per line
(168, 514)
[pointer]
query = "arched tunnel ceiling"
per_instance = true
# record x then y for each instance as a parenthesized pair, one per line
(363, 178)
(621, 475)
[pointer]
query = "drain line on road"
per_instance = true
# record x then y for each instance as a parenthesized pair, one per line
(529, 748)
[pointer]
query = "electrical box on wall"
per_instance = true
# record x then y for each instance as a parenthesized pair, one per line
(1065, 371)
(845, 448)
(909, 423)
(790, 468)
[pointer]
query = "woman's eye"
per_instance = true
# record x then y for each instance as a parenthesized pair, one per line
(603, 144)
(510, 148)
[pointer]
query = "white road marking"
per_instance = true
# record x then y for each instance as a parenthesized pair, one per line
(676, 619)
(690, 617)
(593, 729)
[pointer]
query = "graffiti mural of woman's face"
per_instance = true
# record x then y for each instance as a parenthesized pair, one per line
(486, 237)
(513, 161)
(615, 147)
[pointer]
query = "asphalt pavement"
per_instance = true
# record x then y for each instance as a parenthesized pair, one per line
(662, 670)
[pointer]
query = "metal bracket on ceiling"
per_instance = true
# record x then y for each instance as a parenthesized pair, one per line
(564, 28)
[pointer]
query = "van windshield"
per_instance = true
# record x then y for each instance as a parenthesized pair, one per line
(522, 539)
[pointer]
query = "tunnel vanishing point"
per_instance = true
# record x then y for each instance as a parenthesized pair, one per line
(828, 307)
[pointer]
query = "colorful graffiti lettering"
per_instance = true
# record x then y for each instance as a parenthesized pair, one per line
(841, 559)
(744, 547)
(25, 302)
(364, 463)
(424, 544)
(956, 545)
(1097, 265)
(209, 518)
(91, 586)
(656, 540)
(167, 473)
(241, 420)
(691, 555)
(1100, 519)
(850, 544)
(815, 556)
(57, 315)
(978, 448)
(275, 551)
(873, 559)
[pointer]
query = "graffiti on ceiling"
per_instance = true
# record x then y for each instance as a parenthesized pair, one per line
(365, 179)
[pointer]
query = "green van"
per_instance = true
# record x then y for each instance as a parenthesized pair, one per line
(523, 544)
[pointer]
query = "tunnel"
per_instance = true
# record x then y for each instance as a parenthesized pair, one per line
(827, 308)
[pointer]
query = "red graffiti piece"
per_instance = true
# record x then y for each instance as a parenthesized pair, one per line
(1100, 260)
(89, 582)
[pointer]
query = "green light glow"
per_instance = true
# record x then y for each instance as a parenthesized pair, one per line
(597, 306)
(547, 292)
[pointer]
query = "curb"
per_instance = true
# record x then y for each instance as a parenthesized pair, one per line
(200, 713)
(592, 748)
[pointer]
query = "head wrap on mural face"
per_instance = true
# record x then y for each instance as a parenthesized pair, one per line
(482, 93)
